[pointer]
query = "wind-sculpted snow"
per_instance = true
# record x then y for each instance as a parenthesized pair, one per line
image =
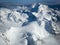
(23, 25)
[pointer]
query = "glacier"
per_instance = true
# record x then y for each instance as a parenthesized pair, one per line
(37, 24)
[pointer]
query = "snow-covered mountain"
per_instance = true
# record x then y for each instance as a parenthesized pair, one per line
(35, 24)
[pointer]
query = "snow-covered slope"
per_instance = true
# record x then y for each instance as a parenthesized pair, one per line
(29, 25)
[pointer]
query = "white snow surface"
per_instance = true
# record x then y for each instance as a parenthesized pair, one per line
(12, 31)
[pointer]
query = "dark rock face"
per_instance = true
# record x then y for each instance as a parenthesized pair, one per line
(49, 28)
(30, 40)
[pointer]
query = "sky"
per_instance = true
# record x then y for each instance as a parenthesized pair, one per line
(33, 1)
